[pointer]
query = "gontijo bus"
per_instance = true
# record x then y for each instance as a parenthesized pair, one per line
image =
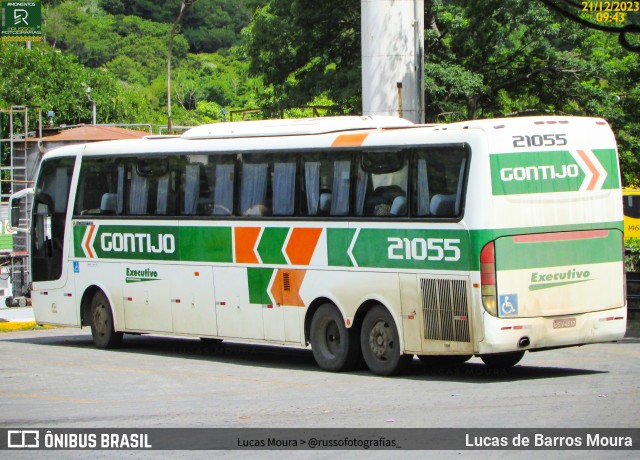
(359, 236)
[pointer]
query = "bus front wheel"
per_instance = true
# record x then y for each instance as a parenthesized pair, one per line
(503, 360)
(380, 343)
(102, 327)
(335, 347)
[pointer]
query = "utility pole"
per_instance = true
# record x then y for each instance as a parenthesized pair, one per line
(93, 105)
(393, 58)
(185, 5)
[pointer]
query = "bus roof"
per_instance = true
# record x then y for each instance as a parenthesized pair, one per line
(292, 127)
(346, 131)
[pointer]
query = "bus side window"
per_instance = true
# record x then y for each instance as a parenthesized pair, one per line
(99, 188)
(314, 201)
(162, 199)
(326, 185)
(382, 181)
(284, 188)
(423, 197)
(138, 193)
(341, 188)
(224, 187)
(147, 186)
(191, 189)
(253, 190)
(208, 185)
(631, 206)
(439, 178)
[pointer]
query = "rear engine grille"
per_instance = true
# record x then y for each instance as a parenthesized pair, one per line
(445, 309)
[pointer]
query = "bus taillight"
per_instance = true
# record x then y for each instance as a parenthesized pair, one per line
(488, 278)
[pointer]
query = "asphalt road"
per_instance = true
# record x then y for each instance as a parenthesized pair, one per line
(57, 379)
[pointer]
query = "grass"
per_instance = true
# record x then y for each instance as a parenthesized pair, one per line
(21, 326)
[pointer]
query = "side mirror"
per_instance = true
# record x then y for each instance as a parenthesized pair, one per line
(16, 202)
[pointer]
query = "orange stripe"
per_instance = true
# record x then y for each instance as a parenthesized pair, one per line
(87, 244)
(245, 241)
(302, 244)
(592, 168)
(350, 140)
(290, 297)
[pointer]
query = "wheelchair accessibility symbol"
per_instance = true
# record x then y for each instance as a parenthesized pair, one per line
(508, 305)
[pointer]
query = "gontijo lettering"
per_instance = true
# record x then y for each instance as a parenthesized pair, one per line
(138, 242)
(546, 172)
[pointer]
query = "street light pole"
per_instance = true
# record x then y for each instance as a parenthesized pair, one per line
(185, 4)
(93, 105)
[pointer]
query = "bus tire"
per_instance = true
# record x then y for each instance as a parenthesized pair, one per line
(503, 360)
(102, 327)
(444, 360)
(380, 343)
(335, 347)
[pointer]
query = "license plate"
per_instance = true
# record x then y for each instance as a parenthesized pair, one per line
(564, 322)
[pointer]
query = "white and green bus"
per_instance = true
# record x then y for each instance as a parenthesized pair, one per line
(357, 236)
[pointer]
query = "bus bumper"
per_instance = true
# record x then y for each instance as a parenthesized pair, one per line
(504, 335)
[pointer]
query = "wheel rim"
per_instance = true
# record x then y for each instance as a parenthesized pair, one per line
(381, 341)
(100, 319)
(332, 337)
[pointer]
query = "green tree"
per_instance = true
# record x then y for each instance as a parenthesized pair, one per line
(483, 59)
(209, 25)
(100, 39)
(519, 58)
(56, 81)
(304, 52)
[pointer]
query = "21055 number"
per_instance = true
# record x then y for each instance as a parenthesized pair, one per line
(540, 140)
(423, 249)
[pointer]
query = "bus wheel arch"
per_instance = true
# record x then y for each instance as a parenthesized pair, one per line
(335, 347)
(311, 310)
(101, 320)
(85, 305)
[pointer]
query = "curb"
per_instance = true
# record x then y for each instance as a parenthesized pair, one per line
(10, 326)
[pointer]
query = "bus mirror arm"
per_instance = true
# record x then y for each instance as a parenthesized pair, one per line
(14, 209)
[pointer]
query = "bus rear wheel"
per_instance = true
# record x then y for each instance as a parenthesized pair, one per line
(102, 327)
(503, 360)
(335, 348)
(380, 343)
